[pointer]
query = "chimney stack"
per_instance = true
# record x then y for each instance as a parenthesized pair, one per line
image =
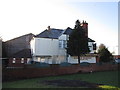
(85, 27)
(48, 28)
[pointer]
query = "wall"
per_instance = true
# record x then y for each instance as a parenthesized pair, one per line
(45, 47)
(90, 59)
(63, 37)
(116, 56)
(0, 48)
(90, 44)
(47, 50)
(27, 72)
(17, 62)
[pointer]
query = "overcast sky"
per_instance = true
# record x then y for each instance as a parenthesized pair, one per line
(20, 17)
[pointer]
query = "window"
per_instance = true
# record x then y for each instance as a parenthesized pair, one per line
(42, 60)
(94, 46)
(60, 43)
(38, 59)
(28, 60)
(13, 60)
(64, 44)
(22, 60)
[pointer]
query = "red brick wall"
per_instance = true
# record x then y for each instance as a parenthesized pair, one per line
(18, 73)
(97, 59)
(116, 56)
(17, 62)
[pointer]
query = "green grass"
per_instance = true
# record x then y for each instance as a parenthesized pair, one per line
(108, 78)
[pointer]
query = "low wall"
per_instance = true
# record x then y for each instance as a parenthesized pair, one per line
(95, 68)
(22, 73)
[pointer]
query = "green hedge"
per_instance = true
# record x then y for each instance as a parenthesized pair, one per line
(84, 64)
(64, 64)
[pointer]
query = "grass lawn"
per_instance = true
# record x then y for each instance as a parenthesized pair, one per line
(108, 78)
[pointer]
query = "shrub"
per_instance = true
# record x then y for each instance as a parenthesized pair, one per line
(65, 64)
(84, 64)
(39, 65)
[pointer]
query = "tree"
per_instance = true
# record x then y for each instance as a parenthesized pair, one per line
(104, 54)
(78, 43)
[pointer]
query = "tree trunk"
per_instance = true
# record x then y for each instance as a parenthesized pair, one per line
(78, 59)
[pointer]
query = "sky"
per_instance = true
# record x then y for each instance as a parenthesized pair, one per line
(20, 17)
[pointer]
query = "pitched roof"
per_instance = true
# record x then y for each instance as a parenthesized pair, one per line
(29, 34)
(90, 40)
(25, 53)
(52, 33)
(55, 33)
(68, 31)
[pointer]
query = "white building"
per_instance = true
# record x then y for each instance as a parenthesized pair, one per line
(49, 47)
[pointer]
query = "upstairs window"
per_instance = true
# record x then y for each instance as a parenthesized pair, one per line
(94, 46)
(62, 44)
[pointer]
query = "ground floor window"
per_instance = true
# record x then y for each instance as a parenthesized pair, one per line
(28, 60)
(13, 60)
(38, 59)
(42, 60)
(22, 60)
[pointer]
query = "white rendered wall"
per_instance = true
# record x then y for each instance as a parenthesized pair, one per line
(32, 45)
(72, 60)
(62, 37)
(91, 60)
(45, 47)
(91, 47)
(75, 60)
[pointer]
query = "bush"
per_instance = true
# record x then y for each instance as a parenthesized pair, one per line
(99, 63)
(39, 65)
(63, 64)
(84, 64)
